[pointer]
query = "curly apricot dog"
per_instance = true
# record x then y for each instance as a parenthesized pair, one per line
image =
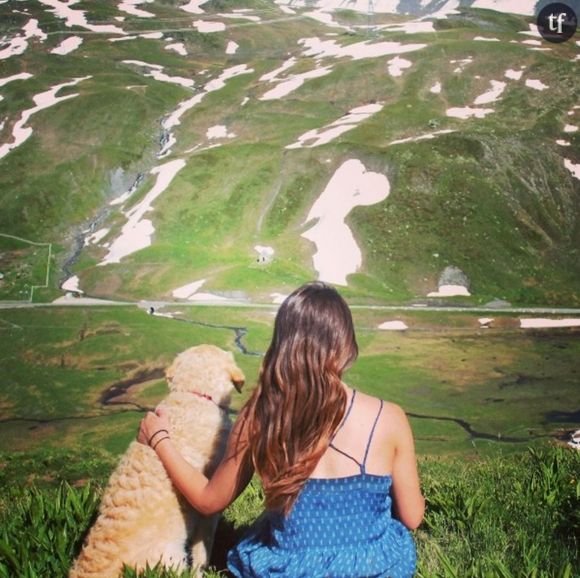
(142, 518)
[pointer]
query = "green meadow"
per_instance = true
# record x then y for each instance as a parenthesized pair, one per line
(516, 387)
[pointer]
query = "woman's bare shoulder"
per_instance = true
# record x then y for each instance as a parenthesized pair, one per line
(389, 407)
(394, 411)
(392, 414)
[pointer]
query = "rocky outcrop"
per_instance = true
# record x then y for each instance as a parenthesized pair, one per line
(452, 275)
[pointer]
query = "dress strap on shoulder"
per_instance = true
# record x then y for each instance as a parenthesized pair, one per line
(364, 463)
(346, 414)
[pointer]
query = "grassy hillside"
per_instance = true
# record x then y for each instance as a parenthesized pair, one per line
(493, 197)
(514, 516)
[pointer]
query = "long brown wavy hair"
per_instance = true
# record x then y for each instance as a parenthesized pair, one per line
(299, 401)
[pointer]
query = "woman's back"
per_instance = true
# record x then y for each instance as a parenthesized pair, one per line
(341, 523)
(365, 436)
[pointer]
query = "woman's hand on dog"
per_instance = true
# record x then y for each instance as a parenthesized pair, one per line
(151, 424)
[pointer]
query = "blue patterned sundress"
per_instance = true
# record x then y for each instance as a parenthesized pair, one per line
(337, 528)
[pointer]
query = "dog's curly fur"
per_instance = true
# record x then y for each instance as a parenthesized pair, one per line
(142, 518)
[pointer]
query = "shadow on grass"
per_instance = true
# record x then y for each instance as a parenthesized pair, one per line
(226, 537)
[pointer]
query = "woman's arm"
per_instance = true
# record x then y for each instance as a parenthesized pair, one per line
(408, 500)
(207, 496)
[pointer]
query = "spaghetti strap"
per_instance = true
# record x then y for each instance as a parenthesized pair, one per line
(347, 413)
(364, 463)
(331, 444)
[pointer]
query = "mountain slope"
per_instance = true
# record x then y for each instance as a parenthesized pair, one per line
(226, 121)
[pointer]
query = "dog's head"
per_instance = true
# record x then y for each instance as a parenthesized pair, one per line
(207, 370)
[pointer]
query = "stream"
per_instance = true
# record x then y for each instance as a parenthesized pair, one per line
(110, 396)
(83, 231)
(239, 333)
(473, 434)
(114, 395)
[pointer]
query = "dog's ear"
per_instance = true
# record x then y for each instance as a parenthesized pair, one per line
(170, 373)
(177, 369)
(237, 377)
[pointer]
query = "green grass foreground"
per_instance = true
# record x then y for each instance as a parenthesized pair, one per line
(516, 515)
